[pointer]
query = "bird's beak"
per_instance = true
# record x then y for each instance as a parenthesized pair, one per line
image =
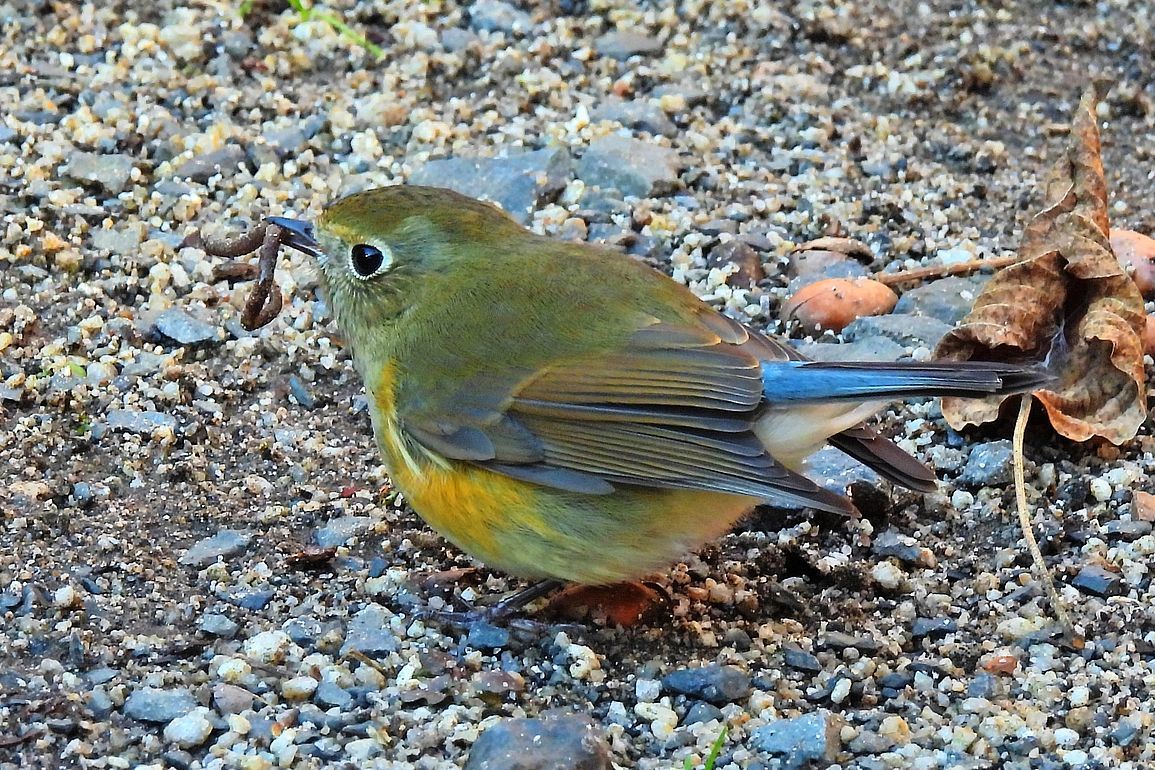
(298, 235)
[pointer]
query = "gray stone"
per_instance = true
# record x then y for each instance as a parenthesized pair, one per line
(984, 685)
(801, 660)
(485, 636)
(118, 241)
(713, 683)
(341, 530)
(186, 329)
(1098, 581)
(516, 182)
(369, 633)
(249, 598)
(301, 393)
(933, 628)
(870, 349)
(892, 543)
(223, 545)
(498, 16)
(287, 142)
(457, 39)
(631, 166)
(331, 694)
(622, 44)
(702, 712)
(152, 704)
(556, 742)
(870, 742)
(112, 173)
(637, 114)
(143, 423)
(989, 464)
(836, 471)
(1126, 732)
(7, 134)
(910, 330)
(808, 740)
(99, 703)
(219, 625)
(947, 299)
(1128, 530)
(201, 168)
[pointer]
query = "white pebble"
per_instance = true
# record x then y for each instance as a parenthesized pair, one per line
(1065, 736)
(1101, 489)
(269, 646)
(887, 575)
(840, 691)
(66, 596)
(961, 499)
(299, 687)
(647, 690)
(189, 730)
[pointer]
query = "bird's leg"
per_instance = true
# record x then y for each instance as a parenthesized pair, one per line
(502, 610)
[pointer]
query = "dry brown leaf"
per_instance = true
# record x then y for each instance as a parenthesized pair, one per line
(1070, 280)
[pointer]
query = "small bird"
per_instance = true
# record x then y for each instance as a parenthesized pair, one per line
(561, 411)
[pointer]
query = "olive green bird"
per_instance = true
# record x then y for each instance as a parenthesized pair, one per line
(558, 410)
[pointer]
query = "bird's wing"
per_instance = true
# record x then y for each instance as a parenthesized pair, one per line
(672, 408)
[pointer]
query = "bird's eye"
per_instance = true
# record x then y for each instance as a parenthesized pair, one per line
(367, 261)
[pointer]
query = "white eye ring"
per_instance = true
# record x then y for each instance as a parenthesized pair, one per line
(368, 261)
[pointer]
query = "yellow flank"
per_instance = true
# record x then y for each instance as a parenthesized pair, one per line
(535, 531)
(459, 500)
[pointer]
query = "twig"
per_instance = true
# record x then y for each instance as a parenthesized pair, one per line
(1041, 571)
(942, 271)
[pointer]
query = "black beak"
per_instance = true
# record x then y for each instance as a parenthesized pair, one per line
(298, 235)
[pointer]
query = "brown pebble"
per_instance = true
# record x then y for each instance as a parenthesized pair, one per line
(736, 252)
(1149, 336)
(1137, 251)
(834, 302)
(1144, 506)
(1001, 664)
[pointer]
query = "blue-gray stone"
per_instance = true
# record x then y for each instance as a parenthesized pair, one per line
(300, 392)
(988, 465)
(485, 636)
(219, 625)
(515, 182)
(112, 173)
(186, 329)
(713, 683)
(811, 738)
(1098, 581)
(870, 349)
(498, 16)
(555, 742)
(250, 599)
(702, 712)
(933, 627)
(223, 545)
(143, 423)
(331, 694)
(909, 330)
(802, 660)
(224, 161)
(622, 44)
(99, 703)
(638, 114)
(631, 166)
(369, 633)
(341, 530)
(891, 543)
(947, 299)
(153, 704)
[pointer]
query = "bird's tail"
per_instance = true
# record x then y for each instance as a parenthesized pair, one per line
(825, 381)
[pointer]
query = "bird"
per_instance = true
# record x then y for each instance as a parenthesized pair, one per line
(566, 413)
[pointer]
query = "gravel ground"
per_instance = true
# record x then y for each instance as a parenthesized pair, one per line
(170, 483)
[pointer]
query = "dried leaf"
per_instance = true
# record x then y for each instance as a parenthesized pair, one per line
(1068, 283)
